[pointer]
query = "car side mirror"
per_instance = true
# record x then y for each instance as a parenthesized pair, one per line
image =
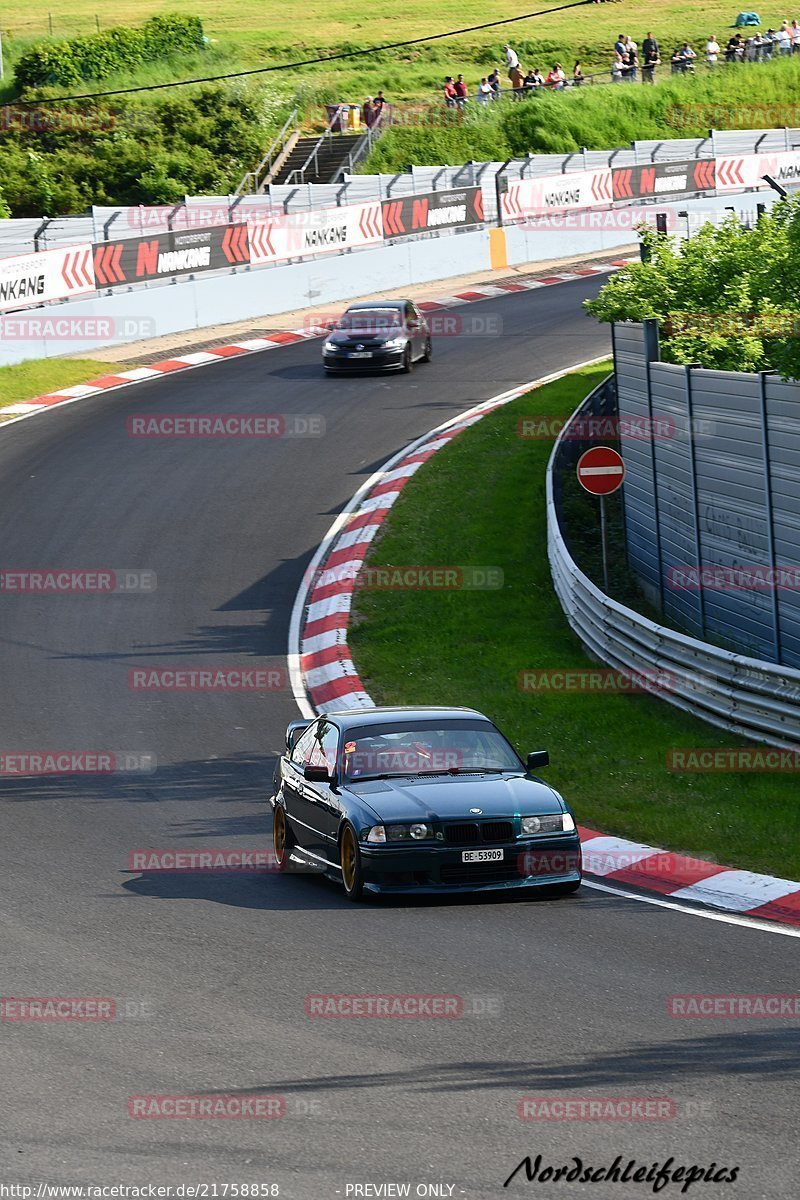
(317, 774)
(415, 325)
(538, 758)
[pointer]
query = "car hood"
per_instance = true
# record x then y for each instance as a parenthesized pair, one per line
(373, 335)
(445, 798)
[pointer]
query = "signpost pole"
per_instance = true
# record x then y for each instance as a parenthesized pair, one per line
(604, 541)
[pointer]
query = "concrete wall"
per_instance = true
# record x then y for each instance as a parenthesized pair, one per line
(251, 292)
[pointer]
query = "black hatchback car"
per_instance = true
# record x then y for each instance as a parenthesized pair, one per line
(419, 800)
(385, 335)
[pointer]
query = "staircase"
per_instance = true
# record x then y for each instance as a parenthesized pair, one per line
(325, 166)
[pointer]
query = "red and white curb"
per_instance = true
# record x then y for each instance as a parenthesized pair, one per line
(324, 679)
(184, 362)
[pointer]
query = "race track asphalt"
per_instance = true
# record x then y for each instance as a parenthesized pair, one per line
(564, 999)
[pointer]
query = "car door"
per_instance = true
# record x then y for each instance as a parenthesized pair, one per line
(327, 796)
(302, 811)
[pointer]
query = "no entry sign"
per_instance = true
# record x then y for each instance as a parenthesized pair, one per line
(601, 470)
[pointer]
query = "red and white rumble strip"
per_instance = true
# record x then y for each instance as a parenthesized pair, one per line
(184, 362)
(328, 677)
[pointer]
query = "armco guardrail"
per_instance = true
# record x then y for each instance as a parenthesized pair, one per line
(746, 696)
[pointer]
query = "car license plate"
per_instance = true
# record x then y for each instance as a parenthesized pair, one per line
(360, 354)
(468, 856)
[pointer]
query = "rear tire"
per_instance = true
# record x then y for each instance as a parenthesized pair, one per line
(350, 859)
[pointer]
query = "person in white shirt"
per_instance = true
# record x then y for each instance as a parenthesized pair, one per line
(783, 38)
(712, 51)
(484, 91)
(795, 36)
(512, 59)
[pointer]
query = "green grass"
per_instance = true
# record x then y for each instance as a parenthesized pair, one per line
(39, 376)
(608, 751)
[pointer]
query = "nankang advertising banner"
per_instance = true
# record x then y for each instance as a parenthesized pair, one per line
(557, 193)
(317, 231)
(432, 210)
(184, 252)
(29, 279)
(679, 177)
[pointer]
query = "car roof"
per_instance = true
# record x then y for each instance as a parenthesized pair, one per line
(377, 304)
(400, 714)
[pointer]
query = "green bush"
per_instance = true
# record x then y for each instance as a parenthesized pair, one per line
(727, 298)
(99, 55)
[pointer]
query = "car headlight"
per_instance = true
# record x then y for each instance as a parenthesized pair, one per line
(548, 823)
(395, 343)
(376, 834)
(401, 833)
(329, 348)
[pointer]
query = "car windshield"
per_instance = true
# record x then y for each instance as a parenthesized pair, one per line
(371, 320)
(426, 748)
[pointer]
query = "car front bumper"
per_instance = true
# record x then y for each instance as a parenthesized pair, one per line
(379, 360)
(525, 864)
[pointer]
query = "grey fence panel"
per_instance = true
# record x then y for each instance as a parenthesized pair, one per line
(720, 496)
(751, 697)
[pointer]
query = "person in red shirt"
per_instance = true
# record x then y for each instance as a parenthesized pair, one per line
(450, 93)
(461, 91)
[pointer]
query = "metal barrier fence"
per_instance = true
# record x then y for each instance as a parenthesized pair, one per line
(746, 696)
(103, 223)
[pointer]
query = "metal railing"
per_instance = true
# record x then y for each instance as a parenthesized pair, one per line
(746, 696)
(326, 140)
(255, 181)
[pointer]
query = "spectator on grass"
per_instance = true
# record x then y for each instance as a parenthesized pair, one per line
(533, 81)
(734, 51)
(450, 93)
(379, 102)
(768, 45)
(484, 91)
(617, 68)
(784, 39)
(683, 60)
(556, 79)
(631, 62)
(795, 35)
(368, 112)
(494, 82)
(712, 51)
(577, 75)
(461, 92)
(517, 82)
(650, 60)
(512, 60)
(621, 45)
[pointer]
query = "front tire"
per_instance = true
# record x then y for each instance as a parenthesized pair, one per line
(565, 889)
(428, 351)
(350, 859)
(282, 840)
(408, 360)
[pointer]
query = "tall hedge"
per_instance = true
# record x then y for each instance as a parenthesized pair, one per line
(99, 55)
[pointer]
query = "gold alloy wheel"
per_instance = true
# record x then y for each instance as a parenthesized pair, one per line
(279, 835)
(349, 859)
